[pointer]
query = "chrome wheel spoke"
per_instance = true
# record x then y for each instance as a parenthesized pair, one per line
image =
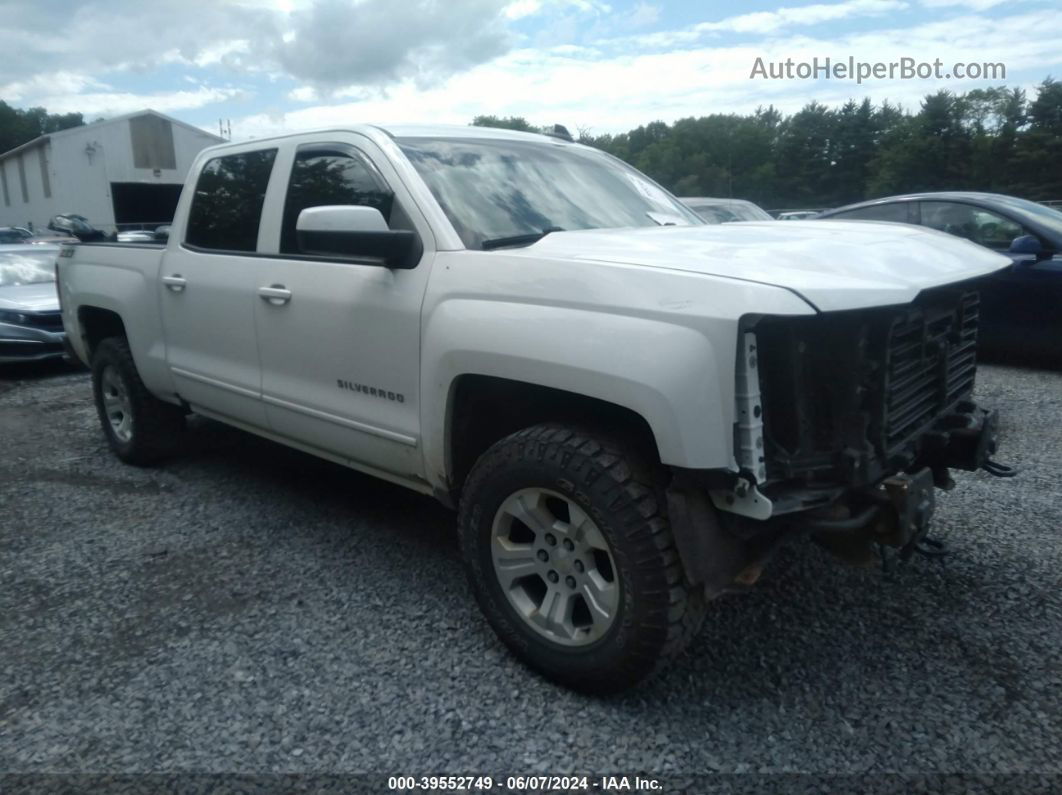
(529, 511)
(116, 404)
(554, 566)
(583, 530)
(555, 613)
(514, 562)
(601, 597)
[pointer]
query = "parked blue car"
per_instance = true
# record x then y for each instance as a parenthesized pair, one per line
(1021, 307)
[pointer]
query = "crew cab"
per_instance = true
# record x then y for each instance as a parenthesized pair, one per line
(629, 408)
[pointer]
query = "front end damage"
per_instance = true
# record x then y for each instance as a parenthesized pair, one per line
(847, 422)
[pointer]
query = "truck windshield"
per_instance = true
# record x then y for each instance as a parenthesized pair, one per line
(497, 190)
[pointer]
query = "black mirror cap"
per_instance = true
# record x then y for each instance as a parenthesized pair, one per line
(399, 249)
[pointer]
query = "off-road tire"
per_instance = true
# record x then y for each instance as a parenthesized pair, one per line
(156, 426)
(659, 611)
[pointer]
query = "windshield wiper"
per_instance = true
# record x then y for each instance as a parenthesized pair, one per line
(525, 239)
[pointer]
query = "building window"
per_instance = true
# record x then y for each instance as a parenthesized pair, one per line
(46, 182)
(227, 206)
(3, 182)
(152, 142)
(22, 178)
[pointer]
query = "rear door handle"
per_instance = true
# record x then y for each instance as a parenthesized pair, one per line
(176, 282)
(276, 294)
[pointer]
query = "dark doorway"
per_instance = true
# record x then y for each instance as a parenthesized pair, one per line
(140, 203)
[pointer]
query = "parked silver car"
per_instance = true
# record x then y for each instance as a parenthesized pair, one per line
(31, 327)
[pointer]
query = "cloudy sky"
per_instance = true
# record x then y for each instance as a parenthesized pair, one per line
(275, 65)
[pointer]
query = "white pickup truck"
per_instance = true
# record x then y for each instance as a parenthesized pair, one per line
(630, 408)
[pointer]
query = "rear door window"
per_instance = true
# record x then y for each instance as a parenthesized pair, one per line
(227, 205)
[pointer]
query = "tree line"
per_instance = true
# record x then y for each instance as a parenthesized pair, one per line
(992, 139)
(988, 139)
(19, 126)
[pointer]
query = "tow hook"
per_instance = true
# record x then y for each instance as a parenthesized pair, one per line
(998, 469)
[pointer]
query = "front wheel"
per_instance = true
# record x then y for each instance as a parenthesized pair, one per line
(571, 557)
(139, 427)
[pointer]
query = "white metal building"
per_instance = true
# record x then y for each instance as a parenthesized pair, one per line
(118, 173)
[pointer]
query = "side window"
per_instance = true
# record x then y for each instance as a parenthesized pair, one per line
(973, 223)
(321, 177)
(227, 206)
(896, 211)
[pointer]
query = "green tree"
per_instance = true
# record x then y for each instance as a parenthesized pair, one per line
(18, 126)
(991, 139)
(504, 123)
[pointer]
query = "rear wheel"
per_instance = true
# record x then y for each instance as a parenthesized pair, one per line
(572, 560)
(139, 427)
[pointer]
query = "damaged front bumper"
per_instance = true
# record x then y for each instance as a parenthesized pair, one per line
(725, 550)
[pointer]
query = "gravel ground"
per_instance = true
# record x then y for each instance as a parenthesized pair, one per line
(249, 608)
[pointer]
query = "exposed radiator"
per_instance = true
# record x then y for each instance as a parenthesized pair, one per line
(931, 359)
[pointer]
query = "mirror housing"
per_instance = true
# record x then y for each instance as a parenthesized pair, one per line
(355, 231)
(1028, 245)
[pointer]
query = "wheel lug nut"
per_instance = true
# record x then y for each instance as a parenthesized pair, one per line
(543, 555)
(568, 545)
(551, 539)
(579, 567)
(553, 576)
(570, 581)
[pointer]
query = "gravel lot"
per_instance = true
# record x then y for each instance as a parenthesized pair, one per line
(249, 608)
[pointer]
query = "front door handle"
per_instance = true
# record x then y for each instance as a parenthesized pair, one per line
(276, 294)
(176, 282)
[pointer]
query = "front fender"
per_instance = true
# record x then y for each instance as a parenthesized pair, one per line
(666, 373)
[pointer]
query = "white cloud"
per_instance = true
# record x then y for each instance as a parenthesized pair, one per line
(518, 9)
(642, 15)
(325, 42)
(336, 42)
(973, 5)
(763, 22)
(612, 94)
(114, 103)
(62, 82)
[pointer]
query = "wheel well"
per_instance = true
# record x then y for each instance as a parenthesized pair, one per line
(99, 324)
(485, 409)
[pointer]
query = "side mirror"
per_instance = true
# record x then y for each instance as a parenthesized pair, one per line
(355, 231)
(1028, 245)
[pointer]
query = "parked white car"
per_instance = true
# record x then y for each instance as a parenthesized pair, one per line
(630, 408)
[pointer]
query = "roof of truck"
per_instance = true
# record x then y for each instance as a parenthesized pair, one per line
(408, 131)
(458, 131)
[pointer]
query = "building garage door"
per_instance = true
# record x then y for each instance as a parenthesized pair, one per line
(140, 203)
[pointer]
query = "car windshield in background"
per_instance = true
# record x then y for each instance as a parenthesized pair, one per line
(1042, 214)
(492, 190)
(728, 212)
(27, 267)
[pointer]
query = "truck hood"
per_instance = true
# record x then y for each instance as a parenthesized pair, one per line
(29, 297)
(832, 265)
